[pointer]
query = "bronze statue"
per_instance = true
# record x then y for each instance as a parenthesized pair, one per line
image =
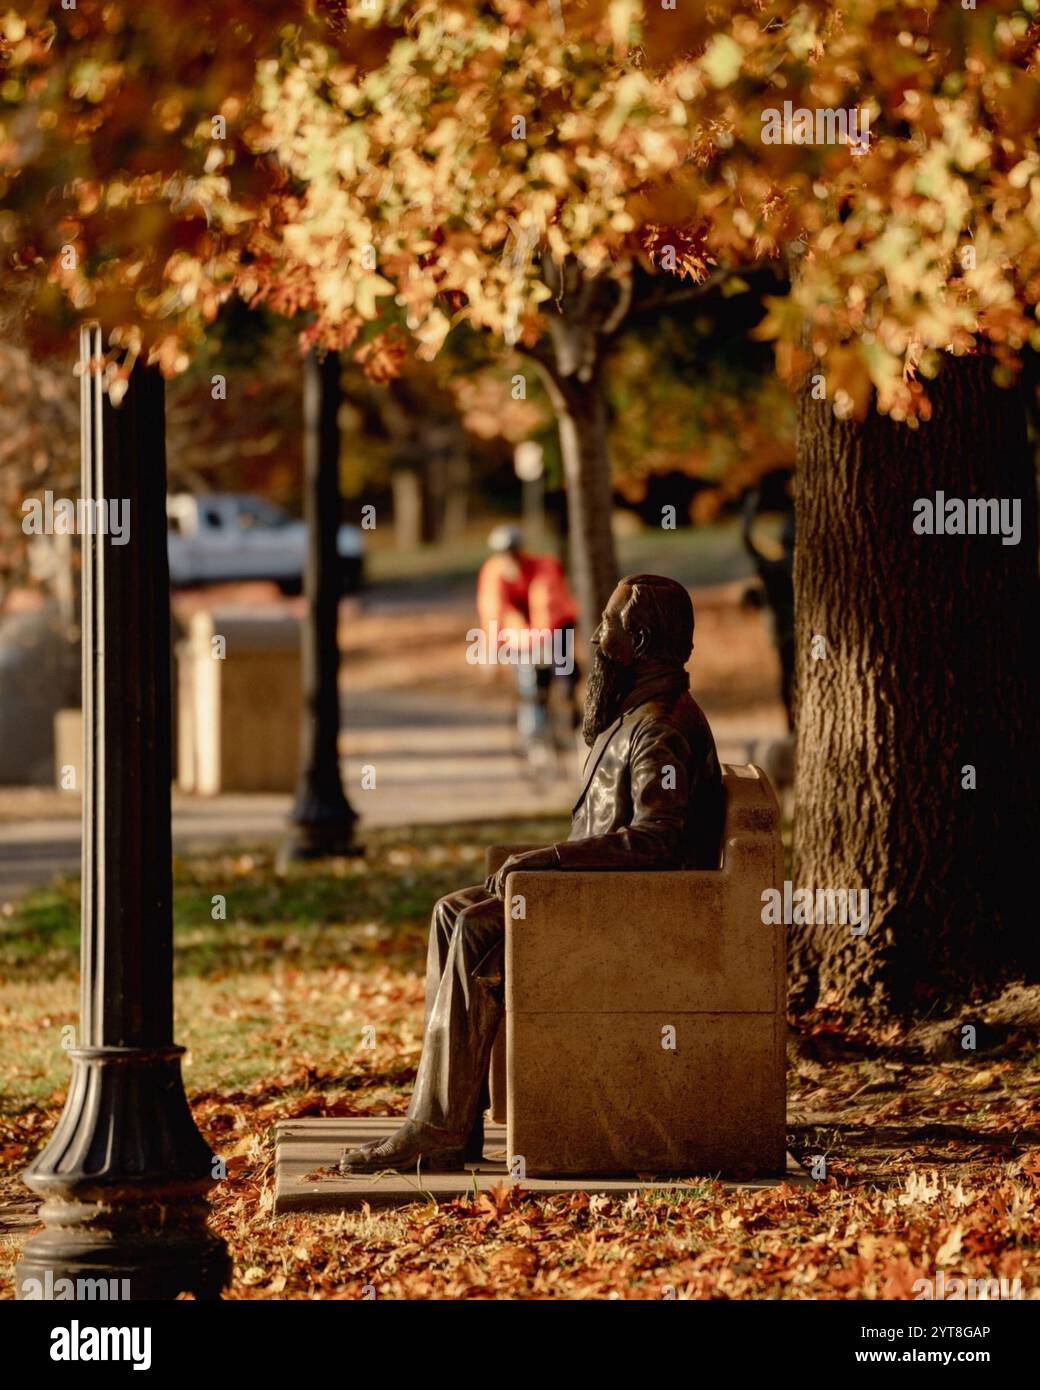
(652, 799)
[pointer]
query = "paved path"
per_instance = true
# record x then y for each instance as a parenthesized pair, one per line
(436, 760)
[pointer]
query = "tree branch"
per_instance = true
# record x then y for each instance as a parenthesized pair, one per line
(691, 292)
(620, 311)
(542, 359)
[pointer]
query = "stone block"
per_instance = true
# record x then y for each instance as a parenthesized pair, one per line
(650, 1092)
(688, 941)
(600, 967)
(239, 703)
(68, 750)
(39, 675)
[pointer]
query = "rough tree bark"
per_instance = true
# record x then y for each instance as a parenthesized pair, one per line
(929, 668)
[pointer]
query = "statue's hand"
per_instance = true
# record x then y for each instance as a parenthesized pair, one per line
(532, 859)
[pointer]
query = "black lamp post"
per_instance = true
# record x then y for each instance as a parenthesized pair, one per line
(322, 819)
(125, 1175)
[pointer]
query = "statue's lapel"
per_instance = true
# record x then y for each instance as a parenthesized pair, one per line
(595, 755)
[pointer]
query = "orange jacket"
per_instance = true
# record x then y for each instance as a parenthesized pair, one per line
(529, 591)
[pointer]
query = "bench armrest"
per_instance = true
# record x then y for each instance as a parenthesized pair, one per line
(572, 939)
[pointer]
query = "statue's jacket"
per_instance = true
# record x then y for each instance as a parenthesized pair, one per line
(652, 795)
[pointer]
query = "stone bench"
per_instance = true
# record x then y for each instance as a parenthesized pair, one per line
(645, 1011)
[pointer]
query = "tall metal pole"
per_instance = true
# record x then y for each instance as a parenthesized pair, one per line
(322, 818)
(125, 1175)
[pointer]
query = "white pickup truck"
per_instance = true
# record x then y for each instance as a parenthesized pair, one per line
(219, 536)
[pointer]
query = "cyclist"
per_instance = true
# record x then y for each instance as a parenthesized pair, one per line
(527, 597)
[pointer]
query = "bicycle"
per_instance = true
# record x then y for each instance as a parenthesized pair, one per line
(544, 719)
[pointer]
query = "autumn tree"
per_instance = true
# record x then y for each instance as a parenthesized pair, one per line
(486, 164)
(39, 450)
(127, 176)
(131, 180)
(914, 266)
(515, 164)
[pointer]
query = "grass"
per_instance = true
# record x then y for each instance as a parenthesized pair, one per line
(695, 555)
(268, 969)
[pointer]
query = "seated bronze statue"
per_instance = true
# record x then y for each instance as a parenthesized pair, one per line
(652, 799)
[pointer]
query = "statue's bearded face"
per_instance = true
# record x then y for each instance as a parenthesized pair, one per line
(608, 684)
(613, 673)
(646, 626)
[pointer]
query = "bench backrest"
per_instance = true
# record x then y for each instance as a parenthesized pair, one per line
(751, 806)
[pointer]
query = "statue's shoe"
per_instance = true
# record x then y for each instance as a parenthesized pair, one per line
(410, 1146)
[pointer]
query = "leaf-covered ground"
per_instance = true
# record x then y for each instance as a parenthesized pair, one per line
(932, 1155)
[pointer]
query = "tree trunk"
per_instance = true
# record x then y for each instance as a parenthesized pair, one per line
(408, 508)
(581, 414)
(583, 316)
(433, 483)
(456, 496)
(927, 671)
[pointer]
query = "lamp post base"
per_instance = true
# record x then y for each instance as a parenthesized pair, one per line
(169, 1252)
(124, 1182)
(330, 837)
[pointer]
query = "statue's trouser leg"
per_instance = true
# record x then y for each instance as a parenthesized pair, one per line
(442, 924)
(464, 1004)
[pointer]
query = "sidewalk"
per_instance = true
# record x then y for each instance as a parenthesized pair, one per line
(435, 759)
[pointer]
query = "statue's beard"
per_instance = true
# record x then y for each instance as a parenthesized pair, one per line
(608, 684)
